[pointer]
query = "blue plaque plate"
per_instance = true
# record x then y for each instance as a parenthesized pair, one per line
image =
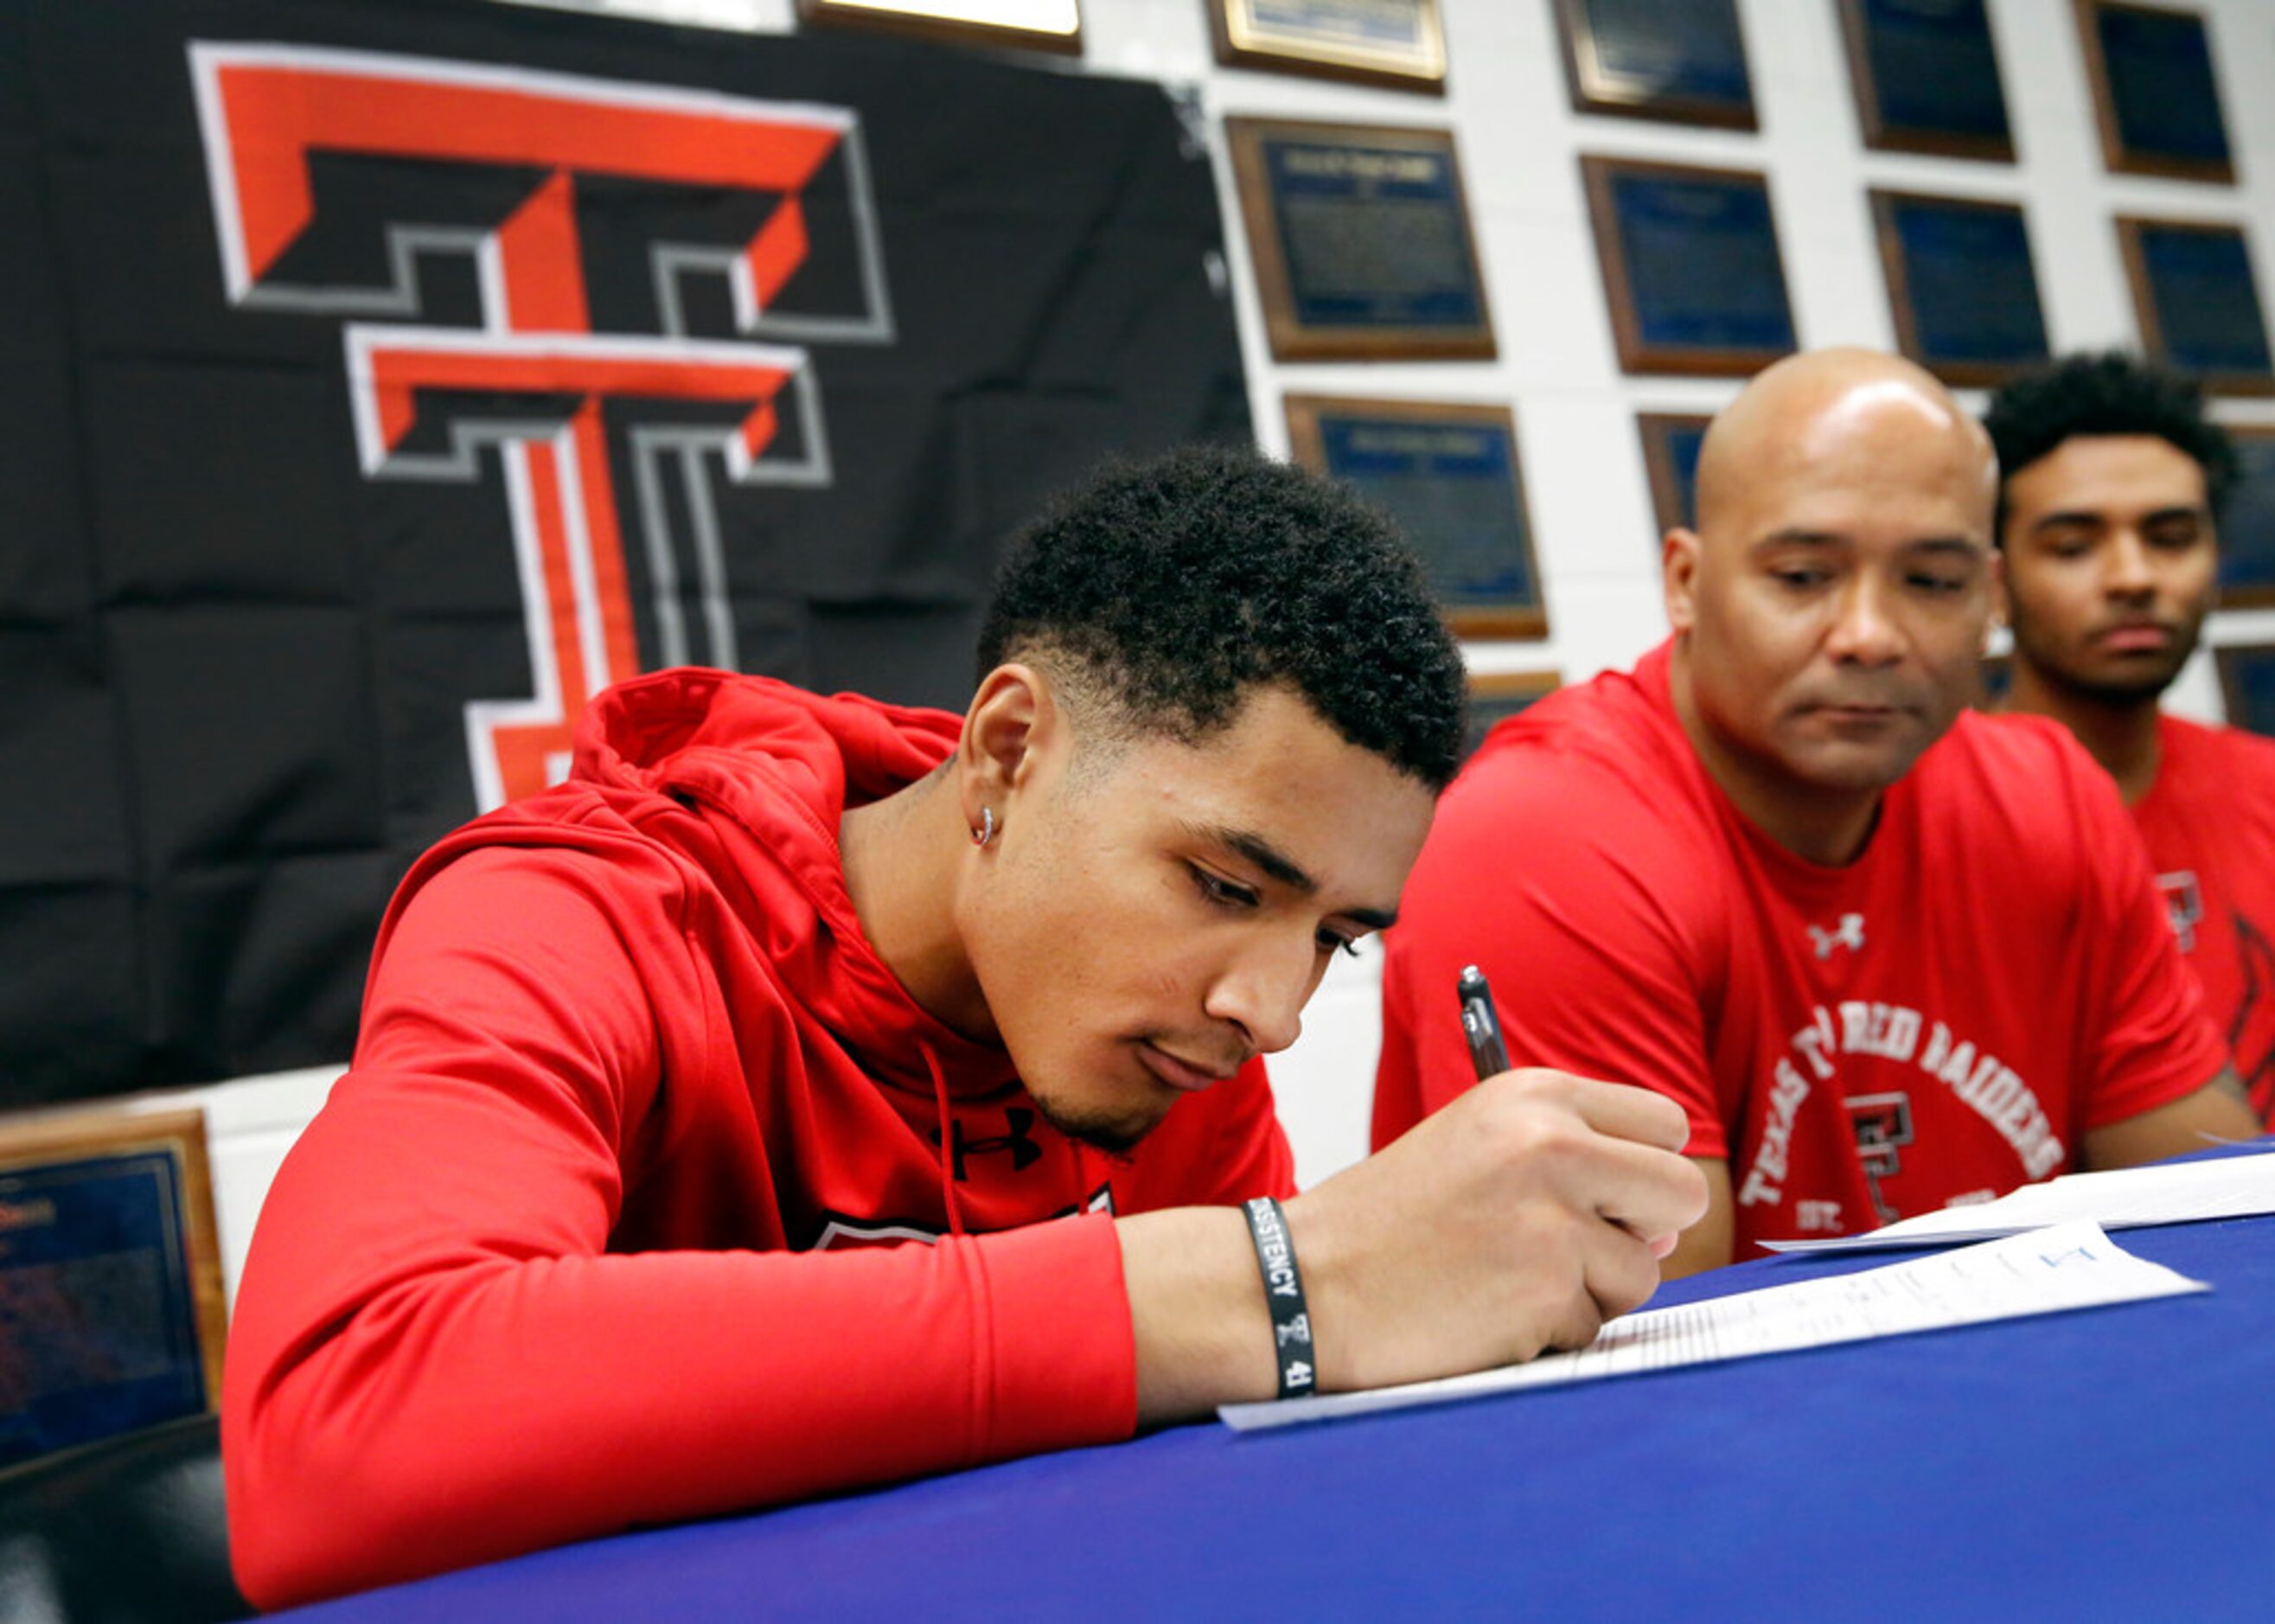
(1375, 237)
(1362, 240)
(1684, 62)
(2247, 522)
(2247, 678)
(2199, 305)
(1671, 443)
(1691, 267)
(99, 1325)
(1494, 698)
(1449, 475)
(2158, 96)
(1965, 292)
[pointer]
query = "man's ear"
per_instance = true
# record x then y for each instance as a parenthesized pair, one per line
(1014, 728)
(1678, 565)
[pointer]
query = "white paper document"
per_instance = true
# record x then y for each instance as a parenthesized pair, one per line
(2127, 1198)
(2044, 1272)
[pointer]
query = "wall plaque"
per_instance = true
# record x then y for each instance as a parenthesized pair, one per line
(2246, 678)
(1496, 696)
(1961, 284)
(1400, 43)
(2155, 94)
(1448, 474)
(1362, 240)
(1690, 264)
(1926, 77)
(2247, 522)
(2197, 302)
(1671, 442)
(1645, 59)
(112, 1312)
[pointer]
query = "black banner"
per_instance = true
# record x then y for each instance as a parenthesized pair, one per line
(383, 379)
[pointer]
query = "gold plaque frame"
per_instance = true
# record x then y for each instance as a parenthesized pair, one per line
(1244, 41)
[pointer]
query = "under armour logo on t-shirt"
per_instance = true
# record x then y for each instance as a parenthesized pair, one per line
(1850, 935)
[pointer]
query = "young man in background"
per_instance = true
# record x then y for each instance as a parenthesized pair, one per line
(2112, 483)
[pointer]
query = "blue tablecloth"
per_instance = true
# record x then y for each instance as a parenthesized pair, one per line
(2113, 1463)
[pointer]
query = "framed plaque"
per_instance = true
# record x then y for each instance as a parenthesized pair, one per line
(111, 1313)
(1647, 59)
(1691, 268)
(2197, 302)
(1448, 474)
(1039, 25)
(1400, 44)
(2247, 522)
(2246, 678)
(1362, 241)
(2155, 94)
(1961, 283)
(1498, 696)
(1926, 76)
(1671, 442)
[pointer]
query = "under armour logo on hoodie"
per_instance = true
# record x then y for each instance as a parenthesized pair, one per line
(1017, 1137)
(1850, 935)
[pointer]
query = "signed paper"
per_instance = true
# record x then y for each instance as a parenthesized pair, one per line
(2044, 1272)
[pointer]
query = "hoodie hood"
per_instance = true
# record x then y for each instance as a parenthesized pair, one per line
(746, 779)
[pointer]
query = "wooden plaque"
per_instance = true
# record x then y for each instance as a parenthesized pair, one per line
(1963, 286)
(1496, 696)
(1691, 267)
(2247, 681)
(1671, 442)
(1684, 62)
(2246, 522)
(1399, 43)
(1448, 474)
(111, 1308)
(2198, 302)
(1362, 241)
(1926, 78)
(1036, 25)
(2156, 96)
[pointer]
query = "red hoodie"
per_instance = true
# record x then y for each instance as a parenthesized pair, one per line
(546, 1264)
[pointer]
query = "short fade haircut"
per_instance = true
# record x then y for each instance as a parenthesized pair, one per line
(1174, 585)
(2109, 394)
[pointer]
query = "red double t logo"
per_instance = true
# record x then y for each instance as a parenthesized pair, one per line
(531, 382)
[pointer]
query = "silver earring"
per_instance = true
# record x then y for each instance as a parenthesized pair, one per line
(986, 832)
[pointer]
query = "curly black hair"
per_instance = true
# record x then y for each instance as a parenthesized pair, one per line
(1176, 585)
(2109, 394)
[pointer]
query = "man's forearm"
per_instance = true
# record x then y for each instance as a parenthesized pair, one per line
(1197, 1307)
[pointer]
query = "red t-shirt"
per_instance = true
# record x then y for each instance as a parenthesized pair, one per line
(2210, 824)
(1939, 1022)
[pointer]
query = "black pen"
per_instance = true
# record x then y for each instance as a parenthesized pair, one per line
(1481, 1025)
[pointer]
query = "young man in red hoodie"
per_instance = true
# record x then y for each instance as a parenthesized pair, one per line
(2112, 480)
(662, 1071)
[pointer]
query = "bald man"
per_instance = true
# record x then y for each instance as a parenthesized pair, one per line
(1888, 955)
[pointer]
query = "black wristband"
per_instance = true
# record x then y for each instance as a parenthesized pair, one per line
(1283, 1293)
